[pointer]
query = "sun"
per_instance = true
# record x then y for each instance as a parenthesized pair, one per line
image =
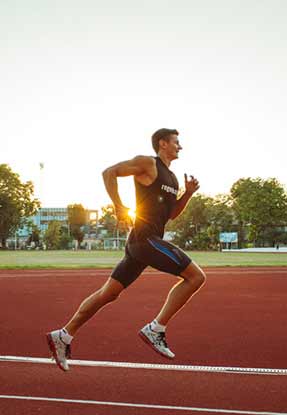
(132, 214)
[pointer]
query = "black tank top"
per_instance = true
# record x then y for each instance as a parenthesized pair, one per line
(154, 203)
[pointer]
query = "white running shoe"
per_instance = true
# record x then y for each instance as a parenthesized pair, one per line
(60, 350)
(156, 340)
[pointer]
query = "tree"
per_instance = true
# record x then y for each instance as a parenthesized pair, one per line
(16, 202)
(77, 217)
(57, 236)
(190, 223)
(198, 227)
(108, 219)
(261, 207)
(52, 235)
(220, 218)
(34, 236)
(65, 239)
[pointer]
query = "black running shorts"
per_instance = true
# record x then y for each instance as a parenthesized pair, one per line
(154, 252)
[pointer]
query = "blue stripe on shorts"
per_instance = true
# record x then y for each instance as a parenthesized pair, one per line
(164, 250)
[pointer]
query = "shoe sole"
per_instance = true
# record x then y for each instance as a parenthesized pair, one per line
(148, 342)
(53, 350)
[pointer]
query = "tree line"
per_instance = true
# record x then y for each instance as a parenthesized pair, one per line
(255, 208)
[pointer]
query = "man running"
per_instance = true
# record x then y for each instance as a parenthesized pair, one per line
(156, 202)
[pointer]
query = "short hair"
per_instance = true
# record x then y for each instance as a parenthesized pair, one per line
(162, 134)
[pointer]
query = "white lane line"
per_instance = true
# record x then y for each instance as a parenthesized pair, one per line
(139, 405)
(151, 366)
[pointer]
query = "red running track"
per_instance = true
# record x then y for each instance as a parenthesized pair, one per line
(238, 319)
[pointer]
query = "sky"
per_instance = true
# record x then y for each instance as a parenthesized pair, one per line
(84, 84)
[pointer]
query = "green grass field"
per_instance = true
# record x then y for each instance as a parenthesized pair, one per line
(107, 259)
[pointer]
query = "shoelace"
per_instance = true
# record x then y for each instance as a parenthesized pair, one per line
(160, 339)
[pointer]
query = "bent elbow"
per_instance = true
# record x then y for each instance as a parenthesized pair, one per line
(108, 173)
(105, 173)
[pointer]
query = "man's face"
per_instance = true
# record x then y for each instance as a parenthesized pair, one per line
(171, 147)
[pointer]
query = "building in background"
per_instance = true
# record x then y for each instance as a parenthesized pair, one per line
(46, 215)
(41, 219)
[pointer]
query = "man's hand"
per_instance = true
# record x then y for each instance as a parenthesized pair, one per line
(191, 185)
(124, 221)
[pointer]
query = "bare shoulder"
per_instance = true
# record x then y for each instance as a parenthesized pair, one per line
(145, 160)
(146, 163)
(137, 166)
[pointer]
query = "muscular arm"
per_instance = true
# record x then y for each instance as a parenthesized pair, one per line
(191, 186)
(142, 167)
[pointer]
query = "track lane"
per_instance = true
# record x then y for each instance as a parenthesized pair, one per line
(230, 323)
(151, 387)
(237, 320)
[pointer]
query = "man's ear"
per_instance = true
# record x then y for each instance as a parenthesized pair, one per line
(162, 143)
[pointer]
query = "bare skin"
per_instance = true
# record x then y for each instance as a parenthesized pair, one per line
(143, 168)
(106, 294)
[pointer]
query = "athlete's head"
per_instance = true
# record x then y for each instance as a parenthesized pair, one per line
(166, 140)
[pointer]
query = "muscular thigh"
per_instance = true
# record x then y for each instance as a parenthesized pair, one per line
(128, 270)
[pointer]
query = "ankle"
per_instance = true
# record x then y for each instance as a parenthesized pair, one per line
(66, 336)
(157, 327)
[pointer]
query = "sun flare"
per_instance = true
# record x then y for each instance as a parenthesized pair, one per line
(132, 214)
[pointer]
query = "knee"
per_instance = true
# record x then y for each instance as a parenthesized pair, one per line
(198, 278)
(202, 278)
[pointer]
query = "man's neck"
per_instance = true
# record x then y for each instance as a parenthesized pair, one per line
(164, 159)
